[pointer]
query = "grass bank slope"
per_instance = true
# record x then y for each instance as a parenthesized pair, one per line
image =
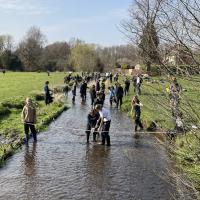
(14, 88)
(155, 100)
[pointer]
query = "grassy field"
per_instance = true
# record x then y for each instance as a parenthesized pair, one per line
(155, 100)
(14, 88)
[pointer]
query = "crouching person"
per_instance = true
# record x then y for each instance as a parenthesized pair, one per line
(29, 120)
(93, 117)
(105, 121)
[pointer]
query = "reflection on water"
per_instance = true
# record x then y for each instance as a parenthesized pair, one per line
(62, 166)
(29, 161)
(29, 166)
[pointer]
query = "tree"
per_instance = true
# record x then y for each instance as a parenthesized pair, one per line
(30, 49)
(10, 61)
(56, 56)
(148, 45)
(141, 29)
(6, 43)
(84, 57)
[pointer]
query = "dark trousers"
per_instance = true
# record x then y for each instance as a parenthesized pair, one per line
(88, 133)
(47, 99)
(126, 90)
(105, 133)
(119, 102)
(138, 123)
(138, 90)
(83, 96)
(111, 99)
(92, 101)
(30, 126)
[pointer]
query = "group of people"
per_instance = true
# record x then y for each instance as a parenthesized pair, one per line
(99, 120)
(99, 117)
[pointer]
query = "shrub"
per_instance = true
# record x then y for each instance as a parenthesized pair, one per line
(4, 111)
(17, 103)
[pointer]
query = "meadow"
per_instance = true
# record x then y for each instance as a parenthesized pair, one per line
(15, 87)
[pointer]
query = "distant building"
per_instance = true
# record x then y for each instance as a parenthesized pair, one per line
(178, 55)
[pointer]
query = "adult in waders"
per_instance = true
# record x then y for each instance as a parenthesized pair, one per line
(92, 125)
(29, 120)
(104, 121)
(136, 106)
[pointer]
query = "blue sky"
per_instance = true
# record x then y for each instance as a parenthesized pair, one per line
(94, 21)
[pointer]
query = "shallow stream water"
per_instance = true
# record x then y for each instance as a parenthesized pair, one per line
(62, 166)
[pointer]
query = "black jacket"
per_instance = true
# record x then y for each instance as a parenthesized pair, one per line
(119, 92)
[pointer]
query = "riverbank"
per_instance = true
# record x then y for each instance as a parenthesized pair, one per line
(155, 99)
(15, 87)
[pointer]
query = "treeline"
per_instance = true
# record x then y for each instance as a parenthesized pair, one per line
(32, 54)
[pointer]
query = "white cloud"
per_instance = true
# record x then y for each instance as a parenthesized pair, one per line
(24, 7)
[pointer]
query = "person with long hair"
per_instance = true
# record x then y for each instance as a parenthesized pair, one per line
(29, 119)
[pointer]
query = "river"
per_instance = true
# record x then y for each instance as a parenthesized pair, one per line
(62, 166)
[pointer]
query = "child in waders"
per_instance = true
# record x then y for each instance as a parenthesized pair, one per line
(29, 120)
(136, 107)
(92, 117)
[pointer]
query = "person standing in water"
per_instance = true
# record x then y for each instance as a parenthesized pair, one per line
(92, 94)
(29, 119)
(136, 106)
(92, 117)
(104, 121)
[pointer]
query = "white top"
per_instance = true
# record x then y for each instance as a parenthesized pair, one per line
(138, 80)
(105, 114)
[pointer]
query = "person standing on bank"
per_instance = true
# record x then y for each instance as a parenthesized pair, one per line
(119, 95)
(29, 119)
(127, 86)
(47, 93)
(136, 106)
(74, 92)
(138, 84)
(105, 121)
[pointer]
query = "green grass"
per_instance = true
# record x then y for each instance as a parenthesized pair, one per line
(155, 102)
(14, 88)
(15, 84)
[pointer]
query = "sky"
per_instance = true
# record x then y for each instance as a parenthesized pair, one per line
(93, 21)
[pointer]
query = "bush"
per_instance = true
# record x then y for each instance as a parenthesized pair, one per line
(37, 96)
(124, 66)
(4, 111)
(17, 103)
(156, 70)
